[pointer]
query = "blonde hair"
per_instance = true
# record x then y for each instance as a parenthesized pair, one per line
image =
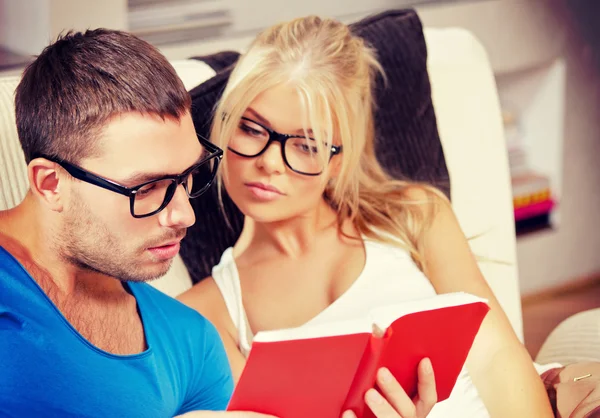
(334, 73)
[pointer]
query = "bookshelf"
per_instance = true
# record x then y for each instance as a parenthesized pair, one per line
(533, 105)
(525, 43)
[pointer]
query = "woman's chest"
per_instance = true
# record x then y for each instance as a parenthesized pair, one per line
(285, 293)
(293, 294)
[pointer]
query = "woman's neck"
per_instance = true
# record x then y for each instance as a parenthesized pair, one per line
(292, 237)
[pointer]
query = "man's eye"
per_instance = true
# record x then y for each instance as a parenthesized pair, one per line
(146, 189)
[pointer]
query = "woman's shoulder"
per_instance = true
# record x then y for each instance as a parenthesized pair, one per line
(426, 197)
(203, 296)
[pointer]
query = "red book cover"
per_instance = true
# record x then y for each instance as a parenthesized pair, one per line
(322, 370)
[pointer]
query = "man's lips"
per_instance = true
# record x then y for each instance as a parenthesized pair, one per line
(166, 251)
(167, 244)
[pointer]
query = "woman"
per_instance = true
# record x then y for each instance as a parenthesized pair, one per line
(327, 234)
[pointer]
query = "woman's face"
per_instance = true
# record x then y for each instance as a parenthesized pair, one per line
(265, 187)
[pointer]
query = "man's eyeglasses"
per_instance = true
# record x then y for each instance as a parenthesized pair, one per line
(299, 152)
(151, 197)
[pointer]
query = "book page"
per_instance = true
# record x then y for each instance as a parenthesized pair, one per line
(384, 316)
(351, 326)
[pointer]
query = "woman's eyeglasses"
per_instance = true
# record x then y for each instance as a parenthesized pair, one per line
(300, 153)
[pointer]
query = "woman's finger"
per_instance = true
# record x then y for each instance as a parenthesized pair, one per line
(348, 414)
(395, 395)
(427, 392)
(380, 406)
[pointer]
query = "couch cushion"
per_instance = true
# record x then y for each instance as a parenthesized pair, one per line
(13, 170)
(407, 140)
(408, 144)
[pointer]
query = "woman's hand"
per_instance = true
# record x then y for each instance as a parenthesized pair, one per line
(393, 402)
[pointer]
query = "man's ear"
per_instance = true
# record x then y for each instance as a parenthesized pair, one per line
(47, 183)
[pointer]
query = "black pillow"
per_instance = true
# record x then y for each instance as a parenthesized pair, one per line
(407, 141)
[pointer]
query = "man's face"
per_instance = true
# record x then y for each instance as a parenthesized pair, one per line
(99, 233)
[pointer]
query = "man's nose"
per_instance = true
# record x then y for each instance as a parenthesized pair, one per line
(179, 212)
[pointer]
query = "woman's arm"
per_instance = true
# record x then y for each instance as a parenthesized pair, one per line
(205, 297)
(498, 363)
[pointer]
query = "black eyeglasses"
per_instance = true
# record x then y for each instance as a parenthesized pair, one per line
(299, 152)
(151, 197)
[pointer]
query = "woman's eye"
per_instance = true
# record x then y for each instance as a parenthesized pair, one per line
(251, 131)
(307, 149)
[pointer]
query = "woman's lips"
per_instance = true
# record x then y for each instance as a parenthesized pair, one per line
(263, 191)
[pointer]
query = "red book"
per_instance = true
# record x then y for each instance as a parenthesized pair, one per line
(322, 370)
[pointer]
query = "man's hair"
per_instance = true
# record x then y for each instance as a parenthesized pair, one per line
(78, 83)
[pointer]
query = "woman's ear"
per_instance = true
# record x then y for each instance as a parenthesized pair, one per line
(46, 184)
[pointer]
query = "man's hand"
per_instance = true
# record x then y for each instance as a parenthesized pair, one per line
(223, 414)
(394, 402)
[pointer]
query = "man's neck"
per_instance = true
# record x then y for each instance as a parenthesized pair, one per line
(29, 236)
(97, 306)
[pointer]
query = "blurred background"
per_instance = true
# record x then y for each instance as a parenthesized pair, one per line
(545, 55)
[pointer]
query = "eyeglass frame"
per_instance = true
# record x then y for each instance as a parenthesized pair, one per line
(96, 180)
(275, 136)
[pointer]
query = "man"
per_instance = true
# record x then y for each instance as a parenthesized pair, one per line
(113, 158)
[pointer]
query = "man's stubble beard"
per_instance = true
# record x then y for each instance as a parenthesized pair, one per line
(87, 243)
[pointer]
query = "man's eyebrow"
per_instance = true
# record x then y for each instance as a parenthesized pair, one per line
(139, 177)
(264, 121)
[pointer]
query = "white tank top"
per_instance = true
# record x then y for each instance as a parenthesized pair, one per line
(389, 276)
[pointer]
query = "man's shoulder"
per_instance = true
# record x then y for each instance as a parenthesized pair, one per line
(164, 308)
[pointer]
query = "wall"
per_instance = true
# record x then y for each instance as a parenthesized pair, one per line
(85, 14)
(26, 36)
(517, 34)
(27, 26)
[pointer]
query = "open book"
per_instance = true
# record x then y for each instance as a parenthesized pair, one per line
(322, 370)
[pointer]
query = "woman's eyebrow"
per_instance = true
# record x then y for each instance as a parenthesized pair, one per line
(260, 118)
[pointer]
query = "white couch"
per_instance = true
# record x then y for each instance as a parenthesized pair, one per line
(470, 127)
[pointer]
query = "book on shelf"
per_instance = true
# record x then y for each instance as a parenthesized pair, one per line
(323, 370)
(517, 162)
(532, 196)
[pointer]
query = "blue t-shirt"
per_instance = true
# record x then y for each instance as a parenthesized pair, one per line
(47, 368)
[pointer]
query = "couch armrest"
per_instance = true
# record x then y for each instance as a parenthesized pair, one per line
(467, 108)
